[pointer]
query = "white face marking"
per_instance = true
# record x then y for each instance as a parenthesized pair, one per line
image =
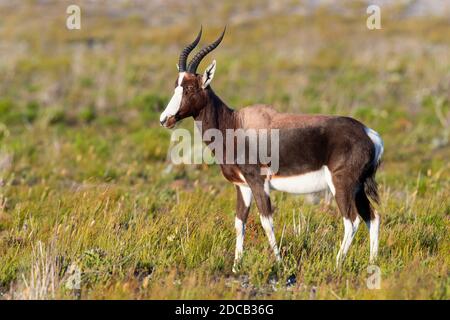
(377, 141)
(306, 183)
(174, 103)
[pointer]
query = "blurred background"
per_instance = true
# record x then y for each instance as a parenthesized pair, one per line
(79, 125)
(303, 56)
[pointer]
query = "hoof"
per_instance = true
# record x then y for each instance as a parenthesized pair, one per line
(291, 280)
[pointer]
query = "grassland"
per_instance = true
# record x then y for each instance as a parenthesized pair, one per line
(83, 169)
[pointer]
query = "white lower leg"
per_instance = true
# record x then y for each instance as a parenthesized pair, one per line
(240, 231)
(239, 224)
(374, 230)
(267, 223)
(349, 233)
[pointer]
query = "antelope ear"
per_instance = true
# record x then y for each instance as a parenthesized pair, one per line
(208, 75)
(178, 67)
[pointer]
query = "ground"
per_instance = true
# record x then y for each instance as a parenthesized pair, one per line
(86, 188)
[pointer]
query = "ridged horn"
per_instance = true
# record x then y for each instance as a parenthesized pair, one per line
(185, 53)
(193, 65)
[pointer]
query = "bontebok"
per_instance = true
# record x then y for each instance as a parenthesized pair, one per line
(315, 152)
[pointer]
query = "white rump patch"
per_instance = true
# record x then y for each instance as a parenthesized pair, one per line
(174, 103)
(313, 181)
(377, 141)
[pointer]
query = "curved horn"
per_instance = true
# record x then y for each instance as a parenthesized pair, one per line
(185, 53)
(192, 67)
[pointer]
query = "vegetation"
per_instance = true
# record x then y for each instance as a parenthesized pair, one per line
(85, 184)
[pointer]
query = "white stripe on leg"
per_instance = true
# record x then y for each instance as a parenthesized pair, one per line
(374, 230)
(267, 223)
(240, 231)
(239, 225)
(349, 233)
(246, 193)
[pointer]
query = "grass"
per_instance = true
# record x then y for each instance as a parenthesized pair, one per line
(83, 176)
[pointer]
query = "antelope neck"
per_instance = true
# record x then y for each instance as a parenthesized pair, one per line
(216, 114)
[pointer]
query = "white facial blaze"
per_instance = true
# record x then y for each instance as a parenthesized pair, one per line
(174, 103)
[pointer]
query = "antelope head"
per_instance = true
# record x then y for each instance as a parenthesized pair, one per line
(190, 94)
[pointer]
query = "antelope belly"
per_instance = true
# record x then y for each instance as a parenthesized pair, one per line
(306, 183)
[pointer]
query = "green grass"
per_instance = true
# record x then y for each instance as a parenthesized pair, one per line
(83, 161)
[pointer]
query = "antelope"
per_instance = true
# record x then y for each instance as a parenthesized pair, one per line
(316, 152)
